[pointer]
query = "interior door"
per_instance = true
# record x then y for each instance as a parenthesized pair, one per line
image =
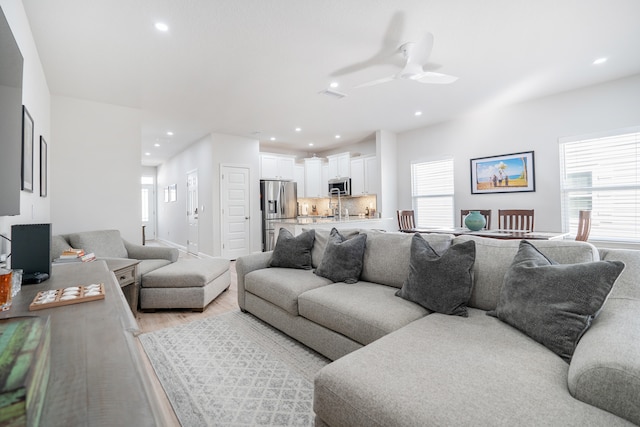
(192, 212)
(236, 224)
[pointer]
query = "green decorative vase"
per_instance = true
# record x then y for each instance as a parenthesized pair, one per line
(475, 221)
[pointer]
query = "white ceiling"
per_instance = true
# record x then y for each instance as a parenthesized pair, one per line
(246, 66)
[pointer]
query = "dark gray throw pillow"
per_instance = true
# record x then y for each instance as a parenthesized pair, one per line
(440, 283)
(293, 252)
(343, 258)
(554, 303)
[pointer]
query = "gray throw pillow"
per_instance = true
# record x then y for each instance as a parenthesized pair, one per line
(440, 283)
(343, 258)
(293, 252)
(554, 303)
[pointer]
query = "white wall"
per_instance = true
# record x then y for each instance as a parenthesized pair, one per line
(206, 155)
(536, 125)
(36, 97)
(95, 173)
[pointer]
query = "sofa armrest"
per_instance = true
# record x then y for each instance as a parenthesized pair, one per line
(605, 369)
(245, 265)
(151, 252)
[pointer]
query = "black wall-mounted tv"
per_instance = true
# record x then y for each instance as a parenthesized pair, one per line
(11, 63)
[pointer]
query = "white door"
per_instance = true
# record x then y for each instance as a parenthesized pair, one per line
(148, 212)
(236, 225)
(192, 212)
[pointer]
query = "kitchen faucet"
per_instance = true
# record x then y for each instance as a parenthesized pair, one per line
(339, 203)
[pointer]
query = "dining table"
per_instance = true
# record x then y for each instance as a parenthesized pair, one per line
(494, 234)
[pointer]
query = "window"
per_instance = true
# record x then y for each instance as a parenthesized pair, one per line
(602, 174)
(432, 193)
(145, 205)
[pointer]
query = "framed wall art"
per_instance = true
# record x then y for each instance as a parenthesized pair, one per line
(507, 173)
(27, 151)
(43, 167)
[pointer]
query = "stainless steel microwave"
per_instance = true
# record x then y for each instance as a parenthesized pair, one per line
(342, 185)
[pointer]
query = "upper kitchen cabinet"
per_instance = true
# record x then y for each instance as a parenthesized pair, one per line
(313, 183)
(364, 176)
(277, 166)
(339, 165)
(298, 171)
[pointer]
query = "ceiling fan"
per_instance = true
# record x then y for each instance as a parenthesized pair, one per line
(416, 55)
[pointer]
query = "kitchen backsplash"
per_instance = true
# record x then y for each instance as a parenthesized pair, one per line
(355, 205)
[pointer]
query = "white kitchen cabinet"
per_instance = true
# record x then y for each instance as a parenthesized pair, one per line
(298, 172)
(313, 177)
(325, 179)
(364, 176)
(339, 165)
(276, 166)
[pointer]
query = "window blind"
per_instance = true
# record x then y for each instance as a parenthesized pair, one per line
(602, 175)
(432, 193)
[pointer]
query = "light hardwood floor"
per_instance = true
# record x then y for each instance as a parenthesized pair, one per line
(149, 322)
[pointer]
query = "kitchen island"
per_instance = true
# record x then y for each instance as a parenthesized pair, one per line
(296, 225)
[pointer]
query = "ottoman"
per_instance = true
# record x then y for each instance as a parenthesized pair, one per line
(186, 283)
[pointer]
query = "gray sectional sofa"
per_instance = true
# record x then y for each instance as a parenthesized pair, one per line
(164, 281)
(398, 364)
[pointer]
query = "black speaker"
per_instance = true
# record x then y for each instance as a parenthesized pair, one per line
(31, 251)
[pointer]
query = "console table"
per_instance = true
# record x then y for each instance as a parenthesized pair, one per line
(97, 373)
(126, 271)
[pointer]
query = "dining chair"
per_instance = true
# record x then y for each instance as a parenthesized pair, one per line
(515, 219)
(406, 221)
(484, 212)
(584, 226)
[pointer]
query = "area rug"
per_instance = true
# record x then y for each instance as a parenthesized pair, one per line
(234, 370)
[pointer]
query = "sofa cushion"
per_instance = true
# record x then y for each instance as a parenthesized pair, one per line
(293, 251)
(362, 311)
(320, 243)
(493, 257)
(342, 259)
(147, 265)
(186, 273)
(386, 258)
(440, 283)
(103, 243)
(281, 286)
(58, 245)
(448, 370)
(554, 304)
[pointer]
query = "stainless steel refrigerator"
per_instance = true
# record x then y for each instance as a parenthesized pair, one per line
(278, 201)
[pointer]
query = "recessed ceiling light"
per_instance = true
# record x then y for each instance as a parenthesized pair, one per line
(298, 129)
(311, 144)
(273, 138)
(599, 61)
(334, 85)
(169, 133)
(417, 113)
(161, 26)
(156, 145)
(147, 154)
(338, 136)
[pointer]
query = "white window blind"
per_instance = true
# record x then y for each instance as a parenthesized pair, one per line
(602, 175)
(432, 193)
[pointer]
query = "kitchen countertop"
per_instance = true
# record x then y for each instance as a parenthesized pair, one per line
(324, 219)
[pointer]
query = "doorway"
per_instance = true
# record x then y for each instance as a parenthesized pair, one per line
(235, 210)
(192, 212)
(148, 197)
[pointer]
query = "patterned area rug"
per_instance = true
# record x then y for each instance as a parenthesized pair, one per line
(234, 370)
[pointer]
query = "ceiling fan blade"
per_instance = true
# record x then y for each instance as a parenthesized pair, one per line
(377, 82)
(435, 78)
(419, 52)
(386, 54)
